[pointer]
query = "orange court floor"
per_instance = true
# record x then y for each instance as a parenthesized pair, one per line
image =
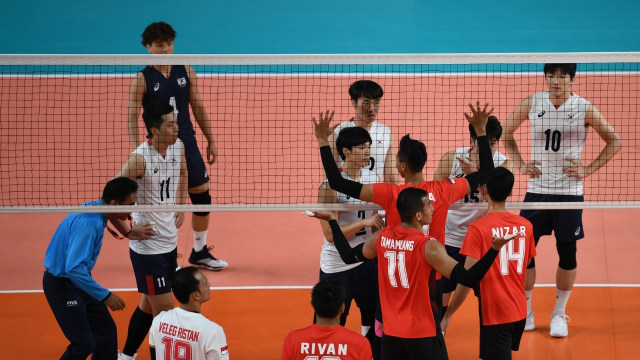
(265, 292)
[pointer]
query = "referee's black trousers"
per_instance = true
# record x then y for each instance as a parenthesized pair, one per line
(85, 321)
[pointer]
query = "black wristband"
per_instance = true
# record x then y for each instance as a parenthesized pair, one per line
(484, 153)
(472, 277)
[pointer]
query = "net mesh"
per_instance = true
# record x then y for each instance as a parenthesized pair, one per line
(64, 119)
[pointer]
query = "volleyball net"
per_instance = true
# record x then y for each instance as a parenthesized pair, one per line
(64, 119)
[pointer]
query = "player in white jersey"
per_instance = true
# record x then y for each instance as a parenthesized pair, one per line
(159, 168)
(455, 164)
(365, 99)
(183, 332)
(559, 120)
(359, 280)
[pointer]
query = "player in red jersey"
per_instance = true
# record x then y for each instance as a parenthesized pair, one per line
(503, 304)
(326, 339)
(407, 261)
(411, 157)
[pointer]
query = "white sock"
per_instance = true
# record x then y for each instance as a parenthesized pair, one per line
(365, 330)
(199, 240)
(562, 297)
(528, 294)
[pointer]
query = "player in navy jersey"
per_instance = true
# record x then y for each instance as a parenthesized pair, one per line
(177, 86)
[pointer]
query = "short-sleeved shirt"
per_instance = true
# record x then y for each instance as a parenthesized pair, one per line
(406, 282)
(158, 186)
(325, 342)
(502, 298)
(442, 194)
(187, 335)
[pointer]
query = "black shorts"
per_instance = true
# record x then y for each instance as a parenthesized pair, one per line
(447, 285)
(429, 348)
(565, 224)
(153, 272)
(196, 168)
(497, 341)
(360, 284)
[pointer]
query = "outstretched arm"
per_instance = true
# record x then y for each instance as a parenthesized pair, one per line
(437, 256)
(349, 255)
(336, 181)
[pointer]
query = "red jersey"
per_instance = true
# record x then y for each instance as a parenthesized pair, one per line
(318, 342)
(502, 298)
(442, 194)
(406, 282)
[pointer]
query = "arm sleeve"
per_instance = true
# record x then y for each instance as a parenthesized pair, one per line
(471, 277)
(336, 181)
(83, 241)
(479, 177)
(347, 254)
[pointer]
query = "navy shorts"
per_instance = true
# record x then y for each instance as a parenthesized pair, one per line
(429, 348)
(447, 285)
(497, 341)
(565, 224)
(360, 284)
(153, 272)
(197, 170)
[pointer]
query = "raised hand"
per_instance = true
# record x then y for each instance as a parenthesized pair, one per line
(322, 129)
(479, 117)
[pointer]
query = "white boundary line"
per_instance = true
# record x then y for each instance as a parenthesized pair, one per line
(303, 287)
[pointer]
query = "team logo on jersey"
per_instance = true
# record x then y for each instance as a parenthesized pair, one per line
(156, 87)
(155, 170)
(541, 114)
(182, 82)
(224, 350)
(379, 142)
(570, 118)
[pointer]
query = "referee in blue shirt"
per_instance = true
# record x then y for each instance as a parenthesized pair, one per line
(78, 302)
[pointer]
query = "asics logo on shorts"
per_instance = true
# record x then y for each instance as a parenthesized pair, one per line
(71, 303)
(577, 231)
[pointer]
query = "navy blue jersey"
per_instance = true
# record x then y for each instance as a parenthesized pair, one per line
(176, 86)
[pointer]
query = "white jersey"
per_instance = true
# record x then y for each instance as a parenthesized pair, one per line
(158, 187)
(180, 334)
(330, 261)
(380, 143)
(557, 134)
(459, 220)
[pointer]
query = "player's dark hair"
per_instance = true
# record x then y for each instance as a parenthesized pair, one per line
(158, 31)
(365, 88)
(350, 137)
(410, 202)
(569, 69)
(152, 114)
(118, 189)
(499, 183)
(413, 153)
(493, 129)
(184, 283)
(327, 297)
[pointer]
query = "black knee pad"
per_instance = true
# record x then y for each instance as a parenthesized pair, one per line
(567, 254)
(201, 199)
